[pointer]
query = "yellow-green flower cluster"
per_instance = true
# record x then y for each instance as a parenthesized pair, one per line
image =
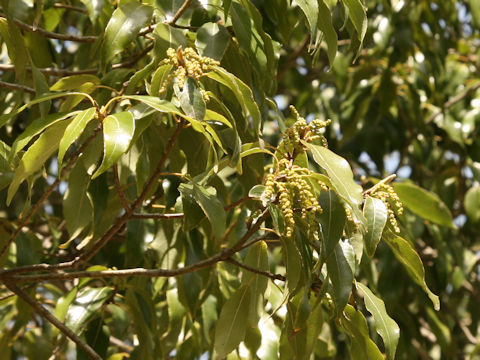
(288, 186)
(302, 130)
(387, 194)
(187, 63)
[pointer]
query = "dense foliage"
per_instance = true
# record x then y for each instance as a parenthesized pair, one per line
(161, 199)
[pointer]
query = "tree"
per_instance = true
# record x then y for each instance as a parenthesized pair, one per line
(162, 200)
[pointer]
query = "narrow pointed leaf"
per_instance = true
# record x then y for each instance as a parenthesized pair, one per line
(407, 255)
(341, 276)
(117, 133)
(73, 131)
(332, 221)
(191, 100)
(232, 324)
(357, 14)
(325, 24)
(375, 212)
(386, 327)
(36, 155)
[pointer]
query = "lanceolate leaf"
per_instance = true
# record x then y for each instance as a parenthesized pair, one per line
(117, 133)
(357, 14)
(386, 327)
(35, 128)
(325, 25)
(407, 255)
(332, 221)
(212, 40)
(74, 82)
(36, 155)
(191, 100)
(231, 324)
(375, 212)
(74, 130)
(125, 23)
(361, 346)
(341, 276)
(424, 204)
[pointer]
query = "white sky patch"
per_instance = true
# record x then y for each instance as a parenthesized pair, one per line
(203, 3)
(419, 57)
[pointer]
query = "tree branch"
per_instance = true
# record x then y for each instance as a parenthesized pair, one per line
(256, 271)
(53, 320)
(11, 86)
(179, 13)
(49, 34)
(119, 189)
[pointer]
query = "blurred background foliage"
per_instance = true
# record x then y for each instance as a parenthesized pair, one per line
(401, 87)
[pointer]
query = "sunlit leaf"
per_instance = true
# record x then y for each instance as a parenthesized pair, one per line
(191, 100)
(212, 40)
(341, 276)
(375, 212)
(332, 221)
(472, 203)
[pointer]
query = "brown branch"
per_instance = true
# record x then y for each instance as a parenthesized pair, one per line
(134, 59)
(158, 216)
(53, 320)
(256, 271)
(47, 193)
(119, 189)
(49, 34)
(453, 101)
(179, 13)
(221, 256)
(236, 203)
(70, 7)
(11, 86)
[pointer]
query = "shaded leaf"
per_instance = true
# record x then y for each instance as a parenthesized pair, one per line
(117, 133)
(375, 212)
(332, 221)
(357, 14)
(191, 100)
(386, 327)
(472, 203)
(231, 324)
(424, 203)
(407, 255)
(341, 276)
(212, 40)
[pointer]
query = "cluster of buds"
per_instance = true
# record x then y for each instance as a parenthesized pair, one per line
(389, 197)
(302, 130)
(289, 186)
(187, 63)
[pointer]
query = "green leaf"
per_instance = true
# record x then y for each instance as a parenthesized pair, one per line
(332, 221)
(216, 117)
(17, 51)
(424, 203)
(257, 191)
(191, 100)
(472, 203)
(117, 133)
(407, 255)
(211, 206)
(123, 27)
(256, 258)
(86, 305)
(73, 131)
(35, 128)
(375, 211)
(341, 276)
(94, 8)
(325, 24)
(386, 327)
(212, 40)
(357, 14)
(231, 324)
(36, 155)
(293, 263)
(74, 82)
(61, 308)
(475, 10)
(242, 93)
(361, 346)
(340, 175)
(77, 202)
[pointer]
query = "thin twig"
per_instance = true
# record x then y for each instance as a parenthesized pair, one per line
(236, 203)
(11, 86)
(256, 271)
(221, 256)
(53, 320)
(387, 180)
(119, 189)
(134, 59)
(158, 216)
(453, 101)
(51, 35)
(120, 344)
(70, 7)
(179, 13)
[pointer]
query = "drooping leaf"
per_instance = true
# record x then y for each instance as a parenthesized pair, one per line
(375, 212)
(424, 203)
(357, 14)
(386, 327)
(341, 276)
(117, 133)
(361, 346)
(74, 82)
(325, 24)
(212, 40)
(123, 27)
(256, 258)
(231, 324)
(94, 8)
(191, 100)
(74, 130)
(332, 221)
(407, 255)
(207, 199)
(36, 155)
